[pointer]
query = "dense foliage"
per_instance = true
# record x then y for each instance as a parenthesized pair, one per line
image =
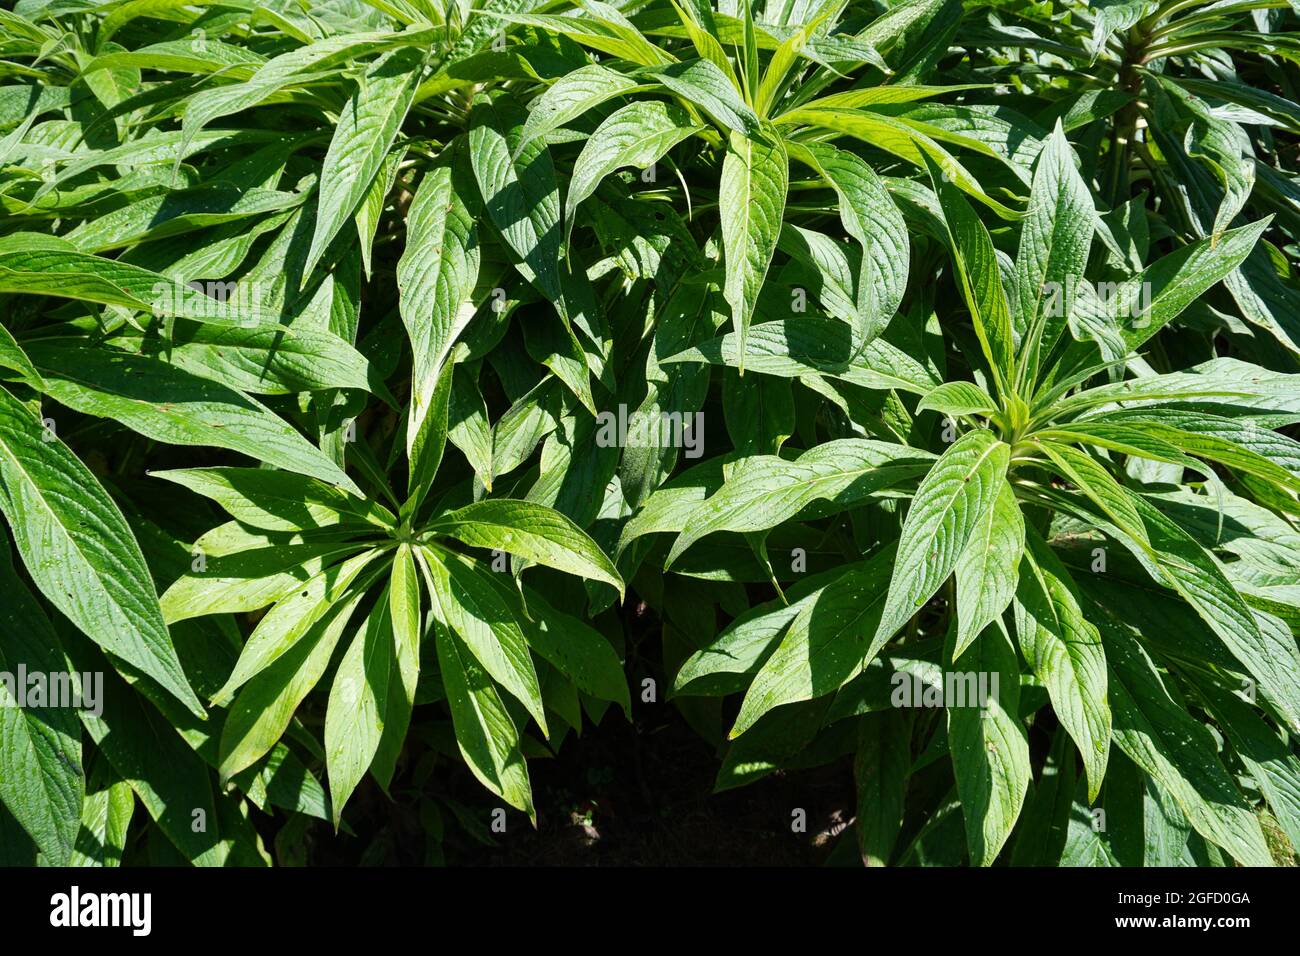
(372, 371)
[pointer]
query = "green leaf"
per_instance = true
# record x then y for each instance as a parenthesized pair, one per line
(945, 512)
(826, 644)
(1275, 769)
(294, 619)
(404, 614)
(571, 96)
(763, 491)
(358, 703)
(878, 96)
(726, 664)
(1180, 278)
(435, 283)
(1241, 445)
(1044, 825)
(700, 26)
(362, 138)
(637, 135)
(1221, 381)
(426, 445)
(869, 215)
(701, 83)
(181, 56)
(980, 277)
(824, 264)
(1178, 751)
(1124, 799)
(1086, 474)
(751, 203)
(485, 734)
(267, 360)
(758, 413)
(599, 26)
(575, 649)
(990, 752)
(910, 141)
(521, 197)
(280, 500)
(178, 212)
(468, 426)
(1177, 560)
(531, 531)
(987, 567)
(958, 398)
(767, 91)
(295, 66)
(41, 780)
(1286, 112)
(519, 189)
(371, 210)
(815, 346)
(1120, 437)
(471, 607)
(248, 580)
(79, 550)
(171, 405)
(775, 742)
(171, 780)
(1064, 650)
(261, 712)
(105, 818)
(77, 275)
(881, 768)
(1055, 237)
(14, 358)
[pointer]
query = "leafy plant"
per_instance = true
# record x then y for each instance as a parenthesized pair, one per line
(261, 296)
(1037, 449)
(386, 385)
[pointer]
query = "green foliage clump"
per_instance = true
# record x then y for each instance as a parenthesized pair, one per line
(927, 372)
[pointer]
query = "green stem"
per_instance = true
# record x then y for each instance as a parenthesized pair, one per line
(1125, 129)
